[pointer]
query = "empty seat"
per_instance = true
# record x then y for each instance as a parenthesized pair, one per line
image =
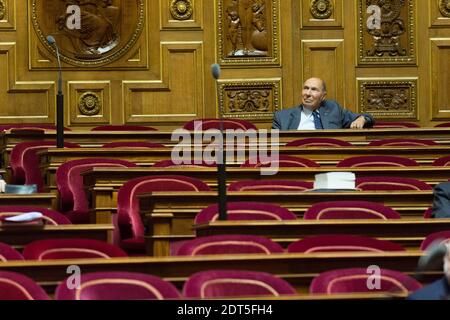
(228, 244)
(132, 144)
(245, 211)
(282, 161)
(350, 210)
(209, 123)
(402, 143)
(334, 243)
(8, 253)
(118, 286)
(356, 280)
(377, 161)
(395, 124)
(235, 283)
(318, 142)
(270, 185)
(50, 217)
(111, 127)
(442, 236)
(442, 162)
(15, 286)
(391, 183)
(71, 249)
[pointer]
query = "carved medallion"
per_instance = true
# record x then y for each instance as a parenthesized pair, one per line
(444, 7)
(89, 32)
(321, 9)
(181, 9)
(89, 104)
(2, 9)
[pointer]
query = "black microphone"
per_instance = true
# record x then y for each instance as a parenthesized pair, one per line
(59, 98)
(221, 166)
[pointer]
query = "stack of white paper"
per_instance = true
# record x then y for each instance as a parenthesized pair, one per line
(25, 217)
(335, 180)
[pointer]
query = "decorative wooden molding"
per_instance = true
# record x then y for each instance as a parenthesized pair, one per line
(2, 9)
(439, 93)
(321, 9)
(389, 99)
(181, 9)
(444, 8)
(89, 104)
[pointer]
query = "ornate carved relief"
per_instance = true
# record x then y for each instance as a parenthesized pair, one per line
(89, 104)
(2, 9)
(393, 41)
(249, 100)
(444, 8)
(248, 31)
(321, 9)
(107, 28)
(181, 9)
(389, 99)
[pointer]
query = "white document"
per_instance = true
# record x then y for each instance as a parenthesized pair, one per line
(28, 216)
(335, 180)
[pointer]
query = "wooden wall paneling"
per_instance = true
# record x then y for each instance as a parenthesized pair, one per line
(439, 13)
(440, 75)
(182, 14)
(322, 13)
(7, 15)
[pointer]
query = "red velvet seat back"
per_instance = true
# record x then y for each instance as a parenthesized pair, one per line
(118, 286)
(319, 142)
(355, 280)
(442, 162)
(15, 286)
(122, 128)
(442, 236)
(171, 164)
(132, 144)
(50, 217)
(206, 124)
(71, 249)
(393, 124)
(443, 125)
(391, 183)
(377, 161)
(228, 244)
(245, 211)
(8, 253)
(350, 210)
(402, 143)
(270, 185)
(336, 243)
(282, 162)
(234, 283)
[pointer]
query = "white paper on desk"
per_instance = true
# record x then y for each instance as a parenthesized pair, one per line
(335, 180)
(24, 217)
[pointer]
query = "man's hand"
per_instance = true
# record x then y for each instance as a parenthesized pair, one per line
(358, 123)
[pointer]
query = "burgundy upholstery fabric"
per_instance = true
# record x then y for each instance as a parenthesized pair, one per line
(118, 286)
(392, 124)
(71, 249)
(50, 217)
(402, 143)
(234, 283)
(246, 211)
(443, 125)
(73, 201)
(122, 128)
(15, 286)
(29, 126)
(442, 236)
(25, 163)
(355, 280)
(129, 222)
(319, 142)
(336, 242)
(428, 214)
(377, 161)
(350, 210)
(442, 162)
(283, 161)
(270, 185)
(228, 244)
(206, 124)
(391, 183)
(132, 144)
(8, 253)
(171, 164)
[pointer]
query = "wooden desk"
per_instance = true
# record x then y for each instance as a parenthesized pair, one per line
(45, 200)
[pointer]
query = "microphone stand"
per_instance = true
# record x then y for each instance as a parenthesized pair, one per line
(59, 106)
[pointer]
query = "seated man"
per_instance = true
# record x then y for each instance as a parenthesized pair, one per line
(441, 202)
(317, 113)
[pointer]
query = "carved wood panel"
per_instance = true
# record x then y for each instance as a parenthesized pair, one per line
(440, 66)
(7, 15)
(439, 13)
(322, 13)
(185, 14)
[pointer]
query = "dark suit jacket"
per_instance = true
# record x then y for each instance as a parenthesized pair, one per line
(441, 202)
(333, 116)
(438, 290)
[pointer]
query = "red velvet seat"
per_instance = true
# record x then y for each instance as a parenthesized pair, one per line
(442, 236)
(111, 127)
(356, 280)
(443, 125)
(25, 162)
(206, 124)
(428, 214)
(71, 249)
(15, 286)
(8, 253)
(171, 164)
(132, 144)
(395, 124)
(270, 185)
(235, 283)
(228, 244)
(245, 211)
(442, 162)
(283, 161)
(129, 222)
(319, 142)
(391, 183)
(377, 161)
(350, 210)
(118, 286)
(73, 200)
(50, 217)
(335, 243)
(402, 143)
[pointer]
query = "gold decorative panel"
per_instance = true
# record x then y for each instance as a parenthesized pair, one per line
(2, 9)
(248, 32)
(181, 9)
(389, 99)
(392, 41)
(444, 8)
(7, 14)
(185, 14)
(91, 33)
(440, 66)
(251, 99)
(439, 13)
(322, 13)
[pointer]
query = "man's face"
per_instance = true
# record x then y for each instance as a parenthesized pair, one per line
(313, 93)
